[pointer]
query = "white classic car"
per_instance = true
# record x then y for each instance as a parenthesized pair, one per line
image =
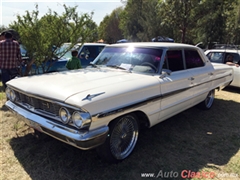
(128, 86)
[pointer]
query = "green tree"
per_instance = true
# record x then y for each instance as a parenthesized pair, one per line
(179, 15)
(130, 17)
(42, 37)
(186, 21)
(109, 28)
(233, 24)
(213, 23)
(150, 20)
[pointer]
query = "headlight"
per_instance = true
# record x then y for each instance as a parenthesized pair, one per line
(10, 94)
(64, 115)
(80, 119)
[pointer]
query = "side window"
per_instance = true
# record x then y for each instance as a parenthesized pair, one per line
(84, 52)
(193, 59)
(216, 57)
(100, 48)
(91, 51)
(88, 52)
(235, 56)
(174, 61)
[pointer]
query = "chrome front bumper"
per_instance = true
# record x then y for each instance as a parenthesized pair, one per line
(81, 139)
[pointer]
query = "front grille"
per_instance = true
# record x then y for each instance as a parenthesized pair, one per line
(38, 104)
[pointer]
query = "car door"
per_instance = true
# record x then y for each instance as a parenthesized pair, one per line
(201, 74)
(175, 85)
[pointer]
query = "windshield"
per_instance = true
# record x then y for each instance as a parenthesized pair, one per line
(64, 47)
(135, 59)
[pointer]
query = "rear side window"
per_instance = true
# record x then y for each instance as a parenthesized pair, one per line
(174, 61)
(193, 59)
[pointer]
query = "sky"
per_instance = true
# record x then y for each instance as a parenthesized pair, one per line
(10, 9)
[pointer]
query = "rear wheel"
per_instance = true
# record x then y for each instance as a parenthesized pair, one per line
(121, 140)
(208, 102)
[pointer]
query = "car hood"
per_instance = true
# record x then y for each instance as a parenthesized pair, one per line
(90, 81)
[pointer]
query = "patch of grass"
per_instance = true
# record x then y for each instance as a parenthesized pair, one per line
(195, 140)
(2, 94)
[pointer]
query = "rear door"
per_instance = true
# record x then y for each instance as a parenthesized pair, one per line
(201, 74)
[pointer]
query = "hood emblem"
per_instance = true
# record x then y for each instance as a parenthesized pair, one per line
(90, 96)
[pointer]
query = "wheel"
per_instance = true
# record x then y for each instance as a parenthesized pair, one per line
(121, 140)
(150, 65)
(208, 102)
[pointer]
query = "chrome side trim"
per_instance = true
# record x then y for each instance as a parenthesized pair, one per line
(148, 100)
(127, 107)
(81, 139)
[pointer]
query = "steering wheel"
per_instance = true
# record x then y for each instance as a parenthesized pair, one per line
(150, 65)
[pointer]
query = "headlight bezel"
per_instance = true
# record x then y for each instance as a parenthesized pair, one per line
(11, 95)
(83, 121)
(75, 117)
(68, 115)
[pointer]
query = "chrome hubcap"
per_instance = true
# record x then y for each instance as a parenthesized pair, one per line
(209, 99)
(124, 137)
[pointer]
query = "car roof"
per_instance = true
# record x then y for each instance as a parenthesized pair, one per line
(224, 50)
(154, 44)
(92, 44)
(95, 44)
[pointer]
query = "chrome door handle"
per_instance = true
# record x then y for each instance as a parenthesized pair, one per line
(210, 73)
(191, 78)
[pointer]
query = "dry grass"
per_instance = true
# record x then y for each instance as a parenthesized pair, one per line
(194, 140)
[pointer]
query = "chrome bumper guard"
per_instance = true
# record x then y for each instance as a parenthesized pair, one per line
(81, 139)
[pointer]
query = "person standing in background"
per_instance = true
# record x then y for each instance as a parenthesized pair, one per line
(10, 58)
(2, 36)
(74, 62)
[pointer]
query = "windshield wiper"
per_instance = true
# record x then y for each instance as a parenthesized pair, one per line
(116, 66)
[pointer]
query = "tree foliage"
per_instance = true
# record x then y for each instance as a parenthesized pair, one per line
(150, 21)
(43, 36)
(129, 23)
(213, 23)
(187, 21)
(109, 28)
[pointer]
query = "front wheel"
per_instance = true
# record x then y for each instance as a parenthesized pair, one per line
(121, 140)
(208, 102)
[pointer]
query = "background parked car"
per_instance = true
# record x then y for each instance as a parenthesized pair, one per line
(219, 55)
(86, 53)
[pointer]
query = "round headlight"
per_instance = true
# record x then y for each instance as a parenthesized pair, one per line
(64, 115)
(77, 119)
(10, 94)
(81, 119)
